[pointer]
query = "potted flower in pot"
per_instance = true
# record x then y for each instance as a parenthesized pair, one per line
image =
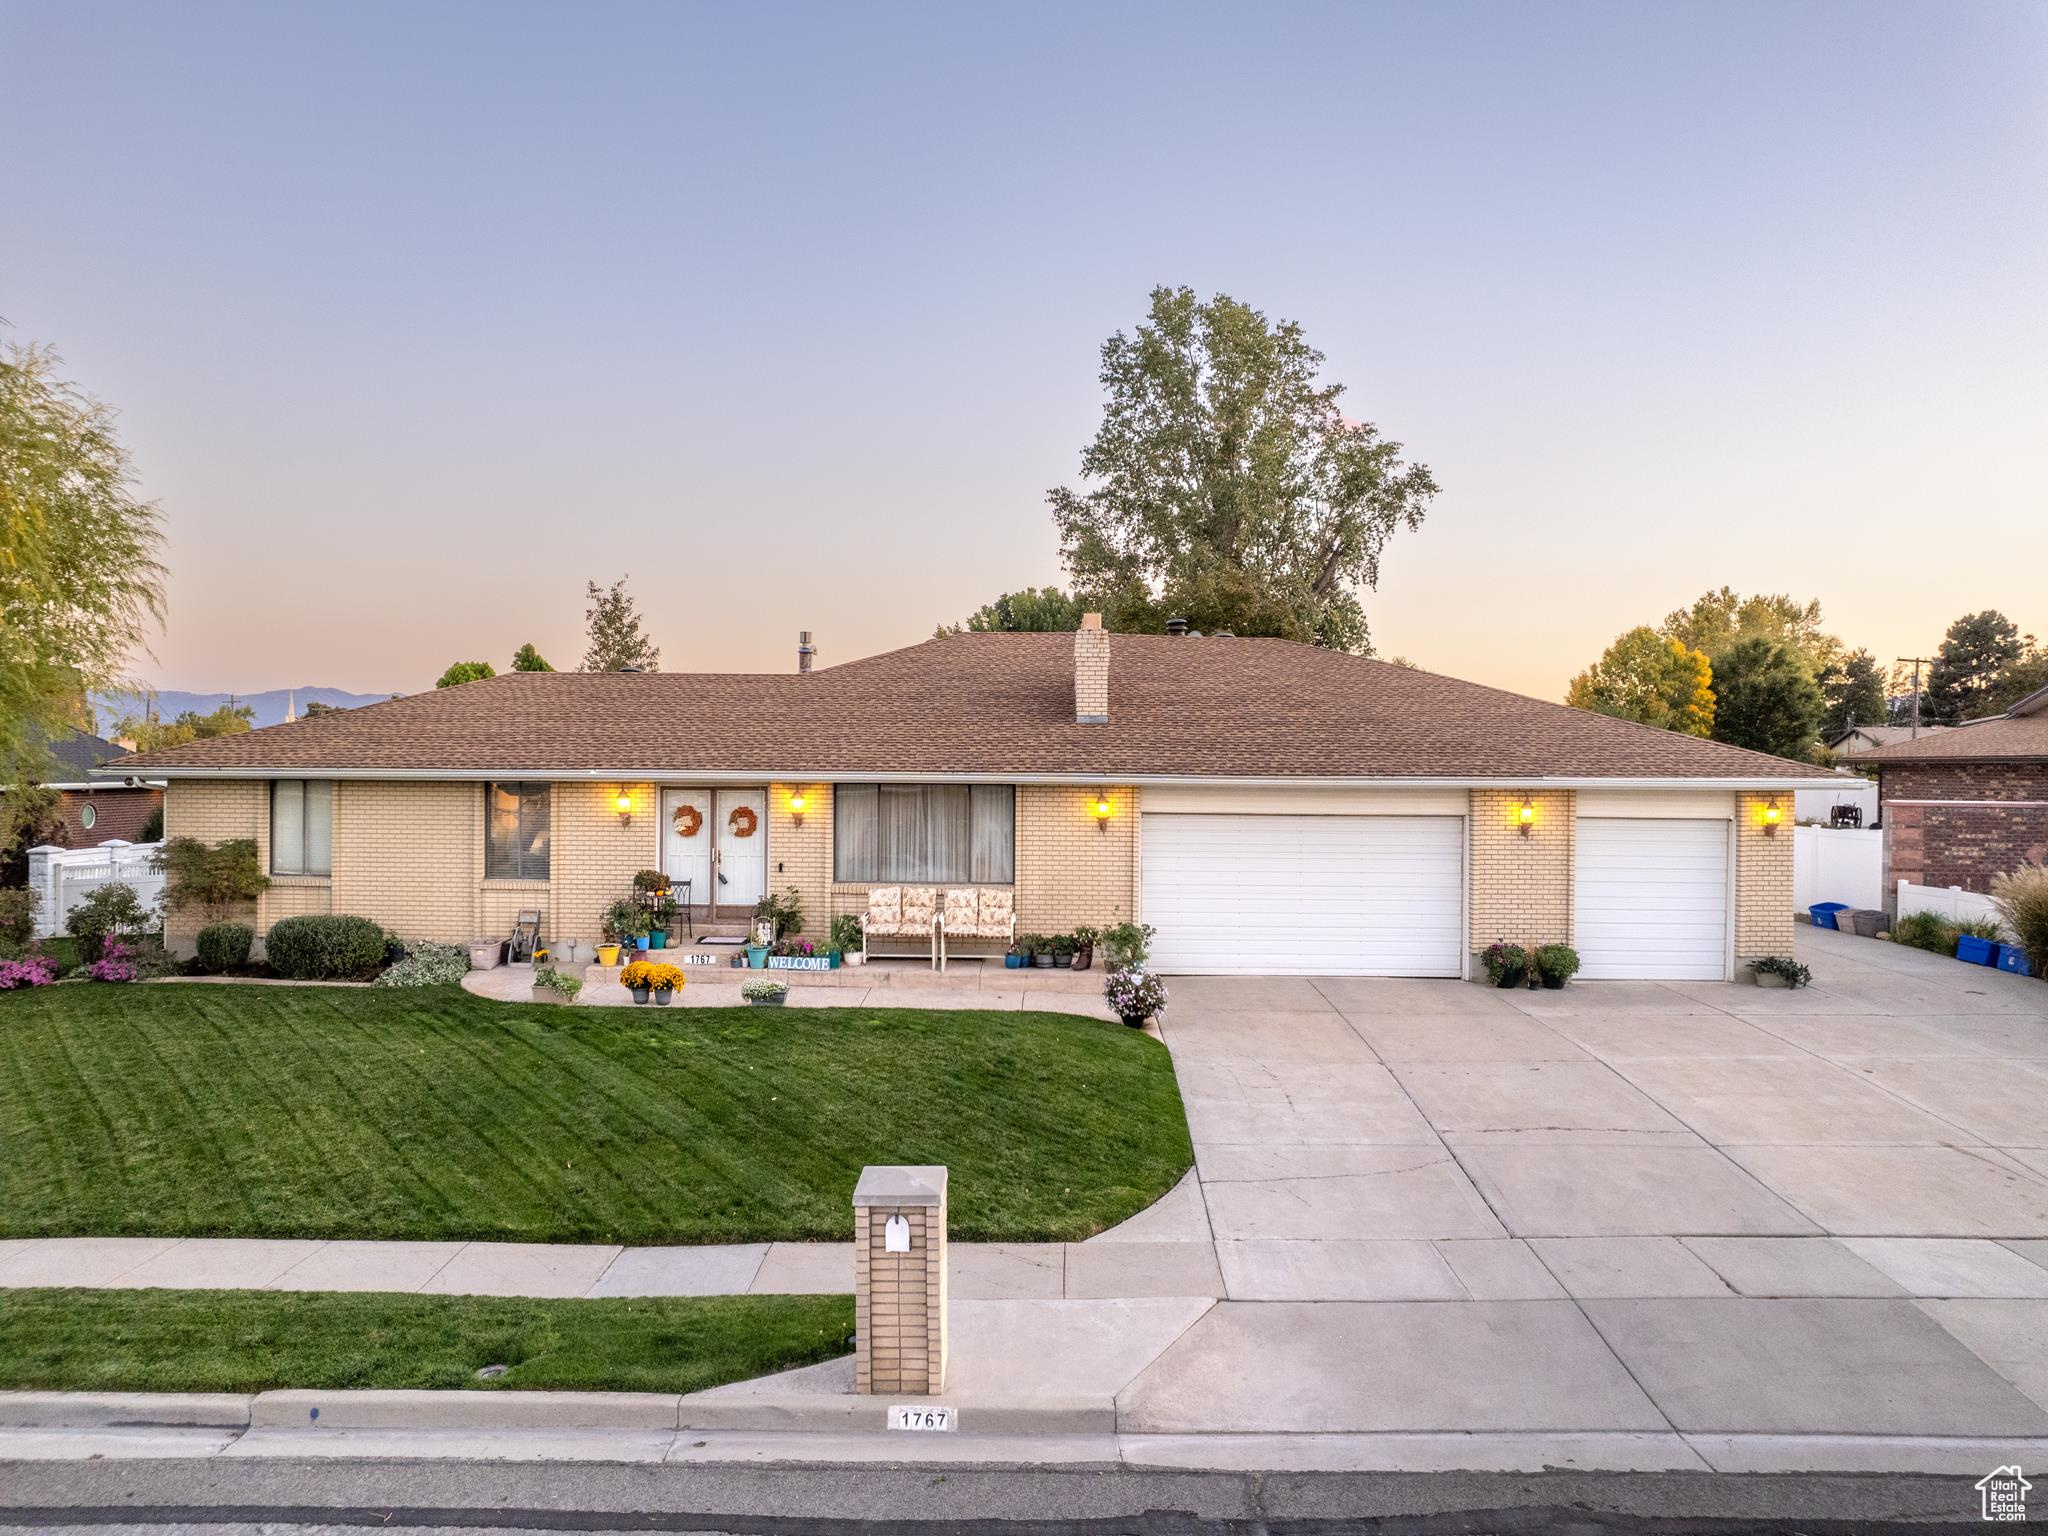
(1063, 950)
(1507, 965)
(757, 948)
(1135, 995)
(638, 979)
(664, 981)
(1014, 959)
(1780, 971)
(848, 939)
(1041, 951)
(764, 993)
(1556, 964)
(1084, 947)
(553, 985)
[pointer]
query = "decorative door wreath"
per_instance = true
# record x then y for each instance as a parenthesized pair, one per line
(689, 821)
(743, 822)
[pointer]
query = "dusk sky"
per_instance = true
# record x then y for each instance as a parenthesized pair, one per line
(419, 316)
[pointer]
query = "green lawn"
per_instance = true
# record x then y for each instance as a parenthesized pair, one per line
(251, 1341)
(192, 1110)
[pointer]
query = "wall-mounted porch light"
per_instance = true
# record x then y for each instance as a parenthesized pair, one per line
(1525, 815)
(624, 805)
(796, 807)
(1102, 810)
(1770, 816)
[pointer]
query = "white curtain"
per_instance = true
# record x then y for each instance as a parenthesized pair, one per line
(319, 859)
(288, 827)
(855, 851)
(936, 834)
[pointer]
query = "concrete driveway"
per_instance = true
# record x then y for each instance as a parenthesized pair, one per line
(1702, 1209)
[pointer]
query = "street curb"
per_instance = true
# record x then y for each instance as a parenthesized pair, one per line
(124, 1410)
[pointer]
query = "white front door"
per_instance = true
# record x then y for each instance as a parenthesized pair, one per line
(686, 841)
(742, 829)
(1305, 895)
(1650, 900)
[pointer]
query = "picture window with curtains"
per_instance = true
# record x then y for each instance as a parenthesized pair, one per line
(931, 834)
(301, 827)
(515, 831)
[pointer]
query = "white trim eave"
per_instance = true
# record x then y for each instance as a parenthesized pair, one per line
(109, 782)
(1140, 780)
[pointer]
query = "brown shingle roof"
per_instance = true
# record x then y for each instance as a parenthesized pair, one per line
(996, 704)
(2007, 738)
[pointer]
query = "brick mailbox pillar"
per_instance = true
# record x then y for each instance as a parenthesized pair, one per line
(899, 1281)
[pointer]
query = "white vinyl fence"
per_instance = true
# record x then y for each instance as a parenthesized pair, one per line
(66, 876)
(1837, 864)
(1951, 902)
(1815, 804)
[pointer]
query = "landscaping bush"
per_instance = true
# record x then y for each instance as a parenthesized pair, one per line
(1126, 946)
(224, 947)
(219, 878)
(428, 965)
(32, 971)
(1926, 930)
(325, 948)
(1506, 964)
(1557, 962)
(847, 936)
(18, 916)
(2022, 898)
(111, 912)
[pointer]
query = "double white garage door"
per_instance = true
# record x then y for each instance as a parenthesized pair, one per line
(1346, 895)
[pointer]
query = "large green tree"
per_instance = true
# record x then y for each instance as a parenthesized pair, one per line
(150, 735)
(1720, 619)
(460, 672)
(1970, 669)
(615, 637)
(79, 576)
(1852, 693)
(1034, 610)
(1225, 485)
(528, 659)
(1765, 699)
(1651, 680)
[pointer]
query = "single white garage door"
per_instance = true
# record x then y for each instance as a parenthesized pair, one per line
(1305, 895)
(1652, 899)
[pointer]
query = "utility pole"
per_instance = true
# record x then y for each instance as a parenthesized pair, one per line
(1918, 663)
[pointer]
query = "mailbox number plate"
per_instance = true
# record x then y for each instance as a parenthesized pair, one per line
(907, 1416)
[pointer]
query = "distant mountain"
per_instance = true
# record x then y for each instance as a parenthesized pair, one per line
(269, 705)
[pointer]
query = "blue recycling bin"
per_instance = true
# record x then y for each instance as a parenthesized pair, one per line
(2012, 958)
(1972, 950)
(1824, 913)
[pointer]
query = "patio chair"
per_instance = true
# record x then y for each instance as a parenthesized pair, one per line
(902, 913)
(525, 936)
(977, 913)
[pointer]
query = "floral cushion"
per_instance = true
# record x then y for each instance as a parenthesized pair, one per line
(961, 911)
(885, 909)
(920, 905)
(996, 914)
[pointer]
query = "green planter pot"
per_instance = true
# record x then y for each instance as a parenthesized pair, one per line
(757, 957)
(658, 939)
(768, 1002)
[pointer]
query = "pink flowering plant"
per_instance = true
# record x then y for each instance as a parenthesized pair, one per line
(116, 963)
(29, 971)
(1134, 994)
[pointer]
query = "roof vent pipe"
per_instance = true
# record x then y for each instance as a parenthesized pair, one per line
(804, 650)
(1176, 627)
(629, 667)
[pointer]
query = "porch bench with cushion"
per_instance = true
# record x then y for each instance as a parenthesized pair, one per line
(977, 912)
(902, 912)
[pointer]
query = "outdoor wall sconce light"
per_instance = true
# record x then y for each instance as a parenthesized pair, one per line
(1770, 816)
(796, 808)
(1526, 815)
(1103, 809)
(625, 808)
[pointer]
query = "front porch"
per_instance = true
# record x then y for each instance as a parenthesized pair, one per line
(968, 983)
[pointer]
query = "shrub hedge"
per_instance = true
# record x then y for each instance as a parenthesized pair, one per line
(225, 946)
(325, 948)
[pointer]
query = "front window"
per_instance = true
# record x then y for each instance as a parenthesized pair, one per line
(301, 827)
(516, 840)
(924, 834)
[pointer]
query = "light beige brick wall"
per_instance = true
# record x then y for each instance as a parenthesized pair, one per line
(801, 856)
(1763, 880)
(593, 858)
(1070, 870)
(409, 856)
(1521, 885)
(215, 811)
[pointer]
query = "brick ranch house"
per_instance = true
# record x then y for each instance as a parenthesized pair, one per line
(98, 810)
(1269, 807)
(1967, 803)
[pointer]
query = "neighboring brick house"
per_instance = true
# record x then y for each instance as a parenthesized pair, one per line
(97, 811)
(1968, 803)
(1268, 807)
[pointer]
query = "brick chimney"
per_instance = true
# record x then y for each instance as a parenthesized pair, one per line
(1091, 672)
